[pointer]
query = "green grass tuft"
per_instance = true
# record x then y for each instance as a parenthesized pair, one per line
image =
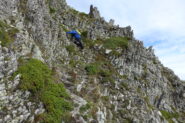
(7, 33)
(115, 42)
(85, 107)
(169, 115)
(37, 78)
(52, 10)
(84, 34)
(71, 49)
(92, 69)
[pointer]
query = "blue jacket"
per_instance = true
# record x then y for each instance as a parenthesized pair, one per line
(75, 34)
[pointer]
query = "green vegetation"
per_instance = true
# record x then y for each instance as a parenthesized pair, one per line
(64, 28)
(85, 107)
(7, 33)
(70, 49)
(147, 100)
(99, 69)
(74, 63)
(169, 115)
(93, 69)
(105, 98)
(145, 72)
(52, 10)
(105, 73)
(139, 91)
(112, 43)
(154, 61)
(128, 120)
(37, 78)
(102, 69)
(124, 85)
(84, 34)
(115, 42)
(88, 43)
(106, 76)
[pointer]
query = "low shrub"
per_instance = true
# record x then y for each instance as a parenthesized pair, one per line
(92, 69)
(52, 10)
(169, 115)
(7, 33)
(105, 73)
(85, 107)
(37, 78)
(115, 42)
(70, 49)
(88, 43)
(84, 34)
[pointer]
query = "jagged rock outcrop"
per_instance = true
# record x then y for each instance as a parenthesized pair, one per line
(113, 80)
(94, 13)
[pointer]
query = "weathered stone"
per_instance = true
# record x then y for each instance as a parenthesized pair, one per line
(111, 22)
(94, 13)
(107, 51)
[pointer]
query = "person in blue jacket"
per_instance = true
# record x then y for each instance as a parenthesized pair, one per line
(76, 34)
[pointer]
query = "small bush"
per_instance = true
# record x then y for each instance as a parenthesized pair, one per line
(7, 33)
(106, 76)
(125, 85)
(105, 73)
(107, 79)
(70, 49)
(88, 43)
(37, 78)
(85, 107)
(105, 98)
(169, 115)
(115, 42)
(52, 10)
(84, 34)
(92, 69)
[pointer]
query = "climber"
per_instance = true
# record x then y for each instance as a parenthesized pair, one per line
(76, 34)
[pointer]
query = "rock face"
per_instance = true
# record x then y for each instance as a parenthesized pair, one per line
(107, 84)
(94, 13)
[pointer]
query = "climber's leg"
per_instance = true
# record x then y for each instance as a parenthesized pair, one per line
(79, 43)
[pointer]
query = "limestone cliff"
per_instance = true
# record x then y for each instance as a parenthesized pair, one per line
(114, 79)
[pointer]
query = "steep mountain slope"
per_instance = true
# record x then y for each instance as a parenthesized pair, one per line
(115, 79)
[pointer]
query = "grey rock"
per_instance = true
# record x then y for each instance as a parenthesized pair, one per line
(141, 85)
(94, 13)
(111, 22)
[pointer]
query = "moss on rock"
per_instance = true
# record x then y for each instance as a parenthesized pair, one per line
(37, 78)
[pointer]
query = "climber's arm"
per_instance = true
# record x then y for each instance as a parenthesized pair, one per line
(71, 32)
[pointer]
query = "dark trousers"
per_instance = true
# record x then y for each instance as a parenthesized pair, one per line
(79, 43)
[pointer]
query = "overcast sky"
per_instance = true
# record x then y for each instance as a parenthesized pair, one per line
(158, 23)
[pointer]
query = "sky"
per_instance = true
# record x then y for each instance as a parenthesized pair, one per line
(158, 23)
